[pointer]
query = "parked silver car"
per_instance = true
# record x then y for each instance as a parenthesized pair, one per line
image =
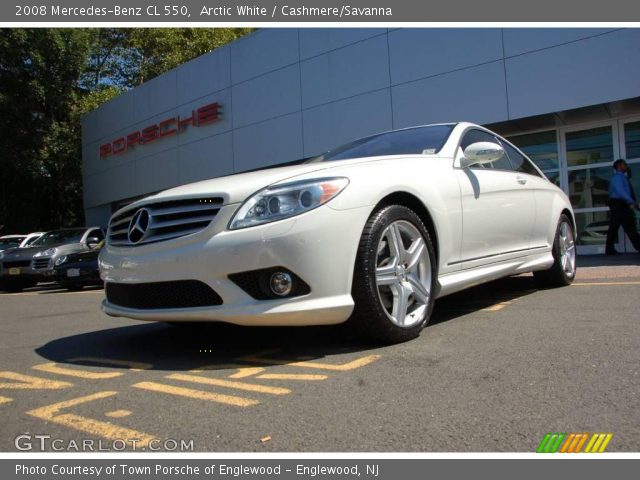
(22, 268)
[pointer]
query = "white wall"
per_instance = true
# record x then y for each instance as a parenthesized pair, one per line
(292, 93)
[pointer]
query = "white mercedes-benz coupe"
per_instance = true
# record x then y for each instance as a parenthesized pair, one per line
(370, 233)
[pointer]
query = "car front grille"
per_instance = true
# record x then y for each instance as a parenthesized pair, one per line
(41, 263)
(16, 264)
(160, 295)
(166, 220)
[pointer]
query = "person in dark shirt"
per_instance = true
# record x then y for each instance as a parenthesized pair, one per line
(622, 199)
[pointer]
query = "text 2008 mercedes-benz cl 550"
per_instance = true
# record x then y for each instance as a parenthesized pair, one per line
(370, 233)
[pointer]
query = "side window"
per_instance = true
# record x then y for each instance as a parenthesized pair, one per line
(519, 161)
(473, 136)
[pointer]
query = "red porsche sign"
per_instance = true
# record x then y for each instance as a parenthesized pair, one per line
(171, 126)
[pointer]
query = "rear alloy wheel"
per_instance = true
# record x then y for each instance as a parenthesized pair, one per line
(394, 277)
(563, 270)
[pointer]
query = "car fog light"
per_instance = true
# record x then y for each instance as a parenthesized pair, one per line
(281, 283)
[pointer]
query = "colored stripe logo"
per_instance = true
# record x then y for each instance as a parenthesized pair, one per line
(574, 443)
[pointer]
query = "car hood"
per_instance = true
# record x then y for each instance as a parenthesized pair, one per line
(27, 253)
(84, 256)
(236, 188)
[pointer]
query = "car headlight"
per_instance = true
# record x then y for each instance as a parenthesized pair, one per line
(286, 200)
(46, 253)
(61, 260)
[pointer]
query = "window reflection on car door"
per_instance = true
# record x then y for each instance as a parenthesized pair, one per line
(498, 207)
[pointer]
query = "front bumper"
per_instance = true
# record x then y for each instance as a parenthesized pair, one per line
(85, 275)
(319, 246)
(25, 274)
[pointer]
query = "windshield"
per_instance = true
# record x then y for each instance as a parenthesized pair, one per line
(411, 141)
(58, 237)
(10, 243)
(31, 240)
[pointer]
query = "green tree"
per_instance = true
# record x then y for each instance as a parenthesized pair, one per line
(48, 79)
(39, 139)
(127, 57)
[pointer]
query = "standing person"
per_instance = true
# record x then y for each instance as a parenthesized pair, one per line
(621, 200)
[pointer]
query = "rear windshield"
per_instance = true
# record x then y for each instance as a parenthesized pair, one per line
(58, 237)
(411, 141)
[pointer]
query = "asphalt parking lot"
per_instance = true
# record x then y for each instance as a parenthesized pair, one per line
(498, 367)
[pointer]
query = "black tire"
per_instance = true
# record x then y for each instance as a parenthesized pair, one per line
(13, 288)
(558, 275)
(17, 285)
(371, 318)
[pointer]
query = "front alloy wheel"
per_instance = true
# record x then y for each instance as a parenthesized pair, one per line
(403, 274)
(394, 276)
(563, 270)
(567, 246)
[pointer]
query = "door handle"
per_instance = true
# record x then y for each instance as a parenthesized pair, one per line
(521, 180)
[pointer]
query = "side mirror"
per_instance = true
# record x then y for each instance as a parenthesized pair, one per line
(481, 152)
(93, 241)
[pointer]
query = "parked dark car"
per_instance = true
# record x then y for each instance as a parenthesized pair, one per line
(22, 268)
(8, 242)
(77, 270)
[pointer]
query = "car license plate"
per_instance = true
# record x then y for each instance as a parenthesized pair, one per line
(73, 272)
(14, 271)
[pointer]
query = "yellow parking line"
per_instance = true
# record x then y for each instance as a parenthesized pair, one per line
(53, 368)
(585, 284)
(242, 370)
(118, 413)
(246, 372)
(249, 387)
(130, 364)
(496, 307)
(292, 376)
(196, 394)
(51, 413)
(359, 362)
(5, 399)
(28, 382)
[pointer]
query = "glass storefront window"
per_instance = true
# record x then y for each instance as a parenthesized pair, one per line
(553, 177)
(590, 187)
(635, 178)
(594, 145)
(541, 148)
(632, 140)
(592, 227)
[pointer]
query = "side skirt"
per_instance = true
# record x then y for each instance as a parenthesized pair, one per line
(456, 281)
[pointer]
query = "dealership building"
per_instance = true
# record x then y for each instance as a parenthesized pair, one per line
(569, 98)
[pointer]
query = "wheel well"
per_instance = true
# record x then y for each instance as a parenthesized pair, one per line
(414, 203)
(569, 214)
